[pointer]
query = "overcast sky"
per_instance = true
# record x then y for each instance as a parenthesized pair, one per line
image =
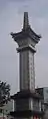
(11, 20)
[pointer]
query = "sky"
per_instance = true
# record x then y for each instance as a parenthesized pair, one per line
(11, 20)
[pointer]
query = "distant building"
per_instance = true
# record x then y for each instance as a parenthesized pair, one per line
(5, 110)
(8, 107)
(44, 92)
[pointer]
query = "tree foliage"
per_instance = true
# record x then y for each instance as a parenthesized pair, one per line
(4, 92)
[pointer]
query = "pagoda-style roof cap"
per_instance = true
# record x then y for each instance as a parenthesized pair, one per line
(26, 31)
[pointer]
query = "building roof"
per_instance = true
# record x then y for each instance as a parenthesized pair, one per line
(26, 94)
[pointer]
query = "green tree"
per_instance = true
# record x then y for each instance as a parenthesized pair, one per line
(4, 92)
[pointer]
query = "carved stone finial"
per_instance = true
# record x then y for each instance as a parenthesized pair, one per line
(26, 21)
